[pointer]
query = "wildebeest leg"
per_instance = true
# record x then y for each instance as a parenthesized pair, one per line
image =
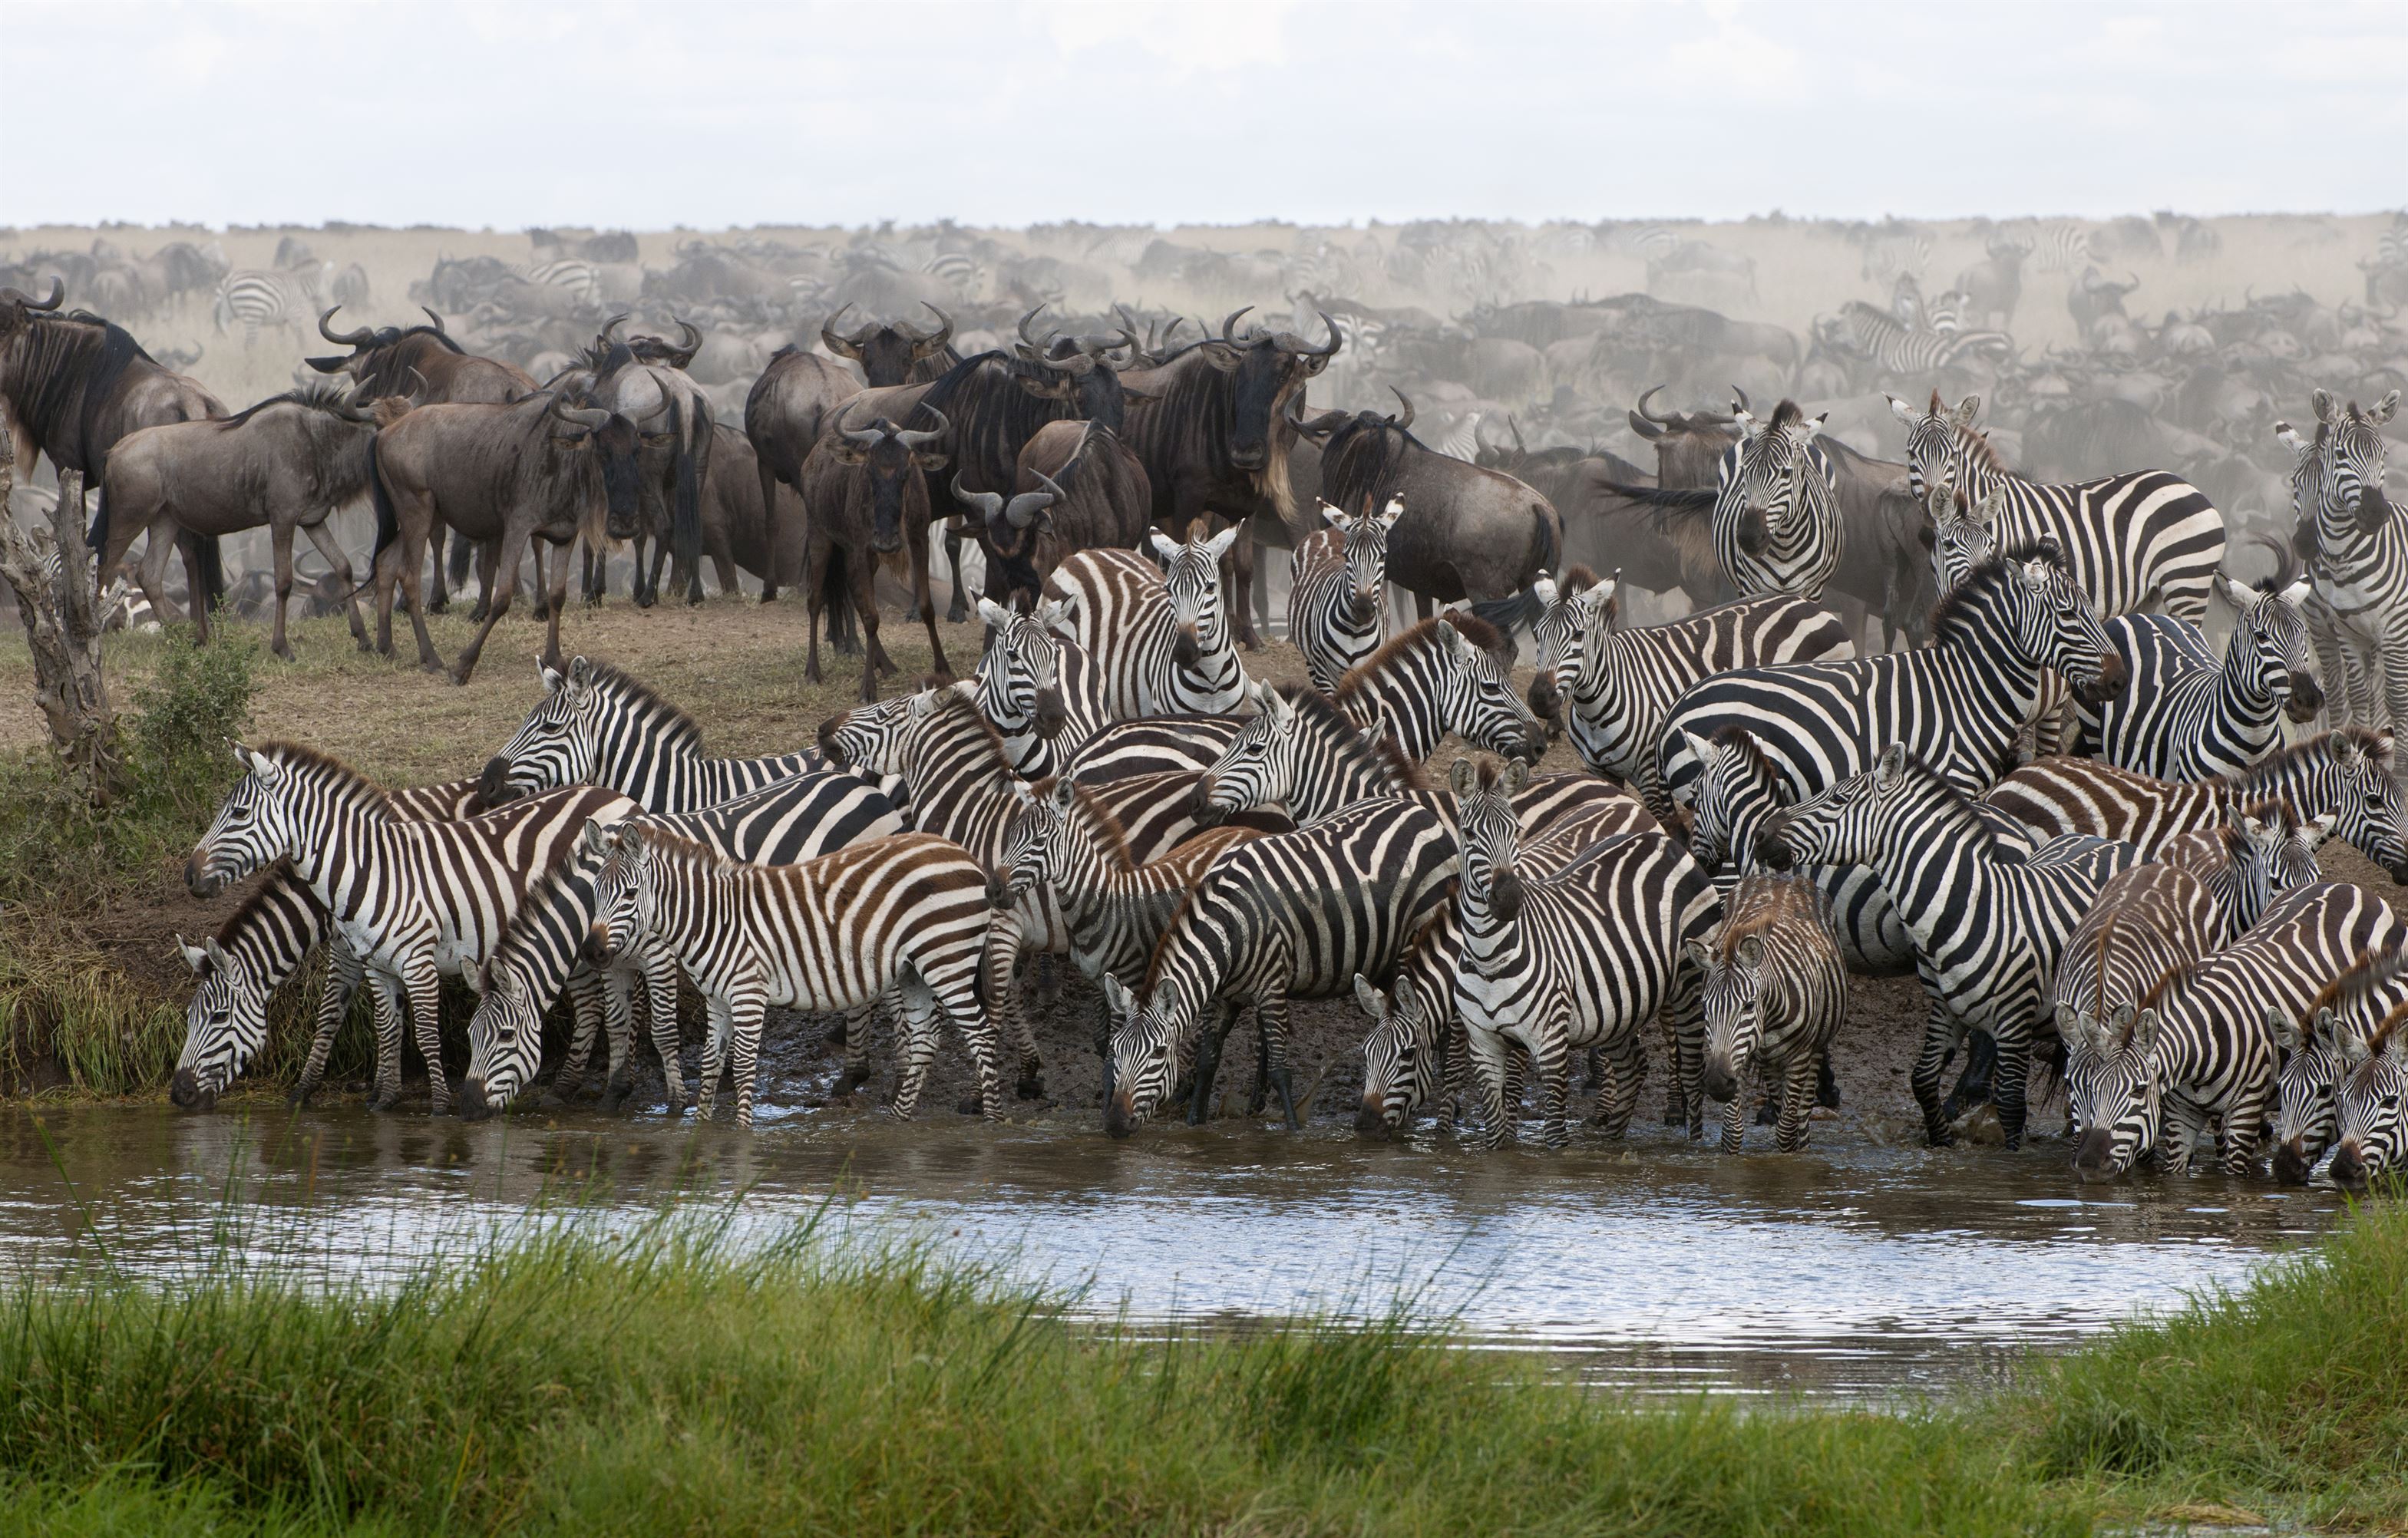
(506, 586)
(413, 562)
(864, 598)
(151, 573)
(1238, 585)
(815, 562)
(489, 555)
(958, 611)
(280, 542)
(542, 589)
(594, 573)
(556, 598)
(659, 558)
(928, 604)
(340, 565)
(442, 599)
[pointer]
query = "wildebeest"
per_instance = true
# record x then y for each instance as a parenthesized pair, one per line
(72, 385)
(1467, 532)
(644, 381)
(511, 474)
(1212, 433)
(1019, 538)
(749, 520)
(868, 490)
(894, 354)
(287, 462)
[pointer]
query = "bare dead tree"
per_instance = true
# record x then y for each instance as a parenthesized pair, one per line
(61, 623)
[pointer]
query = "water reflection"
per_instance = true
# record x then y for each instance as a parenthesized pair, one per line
(1848, 1270)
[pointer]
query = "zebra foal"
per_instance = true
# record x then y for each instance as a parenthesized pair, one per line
(1774, 993)
(1337, 597)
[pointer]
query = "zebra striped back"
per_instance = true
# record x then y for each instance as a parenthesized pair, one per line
(2357, 557)
(791, 821)
(597, 725)
(261, 298)
(1338, 596)
(1773, 993)
(2186, 715)
(2307, 1087)
(1910, 351)
(1292, 916)
(1155, 744)
(1988, 925)
(1776, 514)
(1448, 673)
(2257, 854)
(1038, 691)
(235, 974)
(2128, 539)
(1583, 956)
(1160, 638)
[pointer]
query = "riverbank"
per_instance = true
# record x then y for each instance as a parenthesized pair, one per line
(665, 1380)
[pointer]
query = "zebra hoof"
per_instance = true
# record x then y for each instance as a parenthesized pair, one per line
(970, 1105)
(1031, 1086)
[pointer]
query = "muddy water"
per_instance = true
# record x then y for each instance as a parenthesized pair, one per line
(1851, 1271)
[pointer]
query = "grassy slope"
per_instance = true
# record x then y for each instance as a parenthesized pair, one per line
(660, 1384)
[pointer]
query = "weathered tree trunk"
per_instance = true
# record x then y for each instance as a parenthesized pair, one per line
(61, 623)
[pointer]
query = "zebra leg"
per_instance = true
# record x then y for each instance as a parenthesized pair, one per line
(1735, 1124)
(1627, 1060)
(585, 1009)
(743, 1015)
(1271, 1030)
(660, 974)
(617, 983)
(857, 1026)
(1208, 1063)
(1977, 1084)
(392, 1006)
(1826, 1088)
(1684, 1011)
(1486, 1050)
(343, 972)
(958, 1003)
(2243, 1124)
(2182, 1121)
(1797, 1104)
(1551, 1066)
(425, 985)
(1940, 1032)
(915, 1049)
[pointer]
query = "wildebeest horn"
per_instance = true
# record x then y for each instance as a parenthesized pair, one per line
(58, 292)
(1739, 400)
(921, 439)
(925, 342)
(589, 418)
(1405, 400)
(358, 338)
(985, 502)
(610, 325)
(1641, 411)
(1519, 447)
(690, 335)
(843, 347)
(1022, 509)
(1039, 308)
(438, 320)
(1230, 320)
(1337, 340)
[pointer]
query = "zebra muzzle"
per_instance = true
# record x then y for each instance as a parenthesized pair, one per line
(1545, 700)
(1371, 1117)
(2291, 1162)
(199, 881)
(493, 785)
(1773, 853)
(2349, 1166)
(185, 1090)
(474, 1106)
(1052, 713)
(2094, 1156)
(596, 948)
(1119, 1120)
(2307, 698)
(1184, 649)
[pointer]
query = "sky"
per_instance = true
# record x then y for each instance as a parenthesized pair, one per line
(1005, 113)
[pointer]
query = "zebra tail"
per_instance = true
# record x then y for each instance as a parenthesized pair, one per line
(388, 522)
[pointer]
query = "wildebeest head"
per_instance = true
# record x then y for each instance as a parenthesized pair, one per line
(17, 310)
(893, 459)
(1688, 446)
(1080, 370)
(600, 439)
(387, 360)
(1010, 532)
(1266, 366)
(887, 352)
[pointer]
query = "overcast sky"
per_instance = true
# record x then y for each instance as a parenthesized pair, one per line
(1006, 113)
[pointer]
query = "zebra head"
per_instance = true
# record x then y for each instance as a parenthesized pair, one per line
(1476, 700)
(1492, 836)
(2369, 809)
(256, 826)
(1734, 789)
(504, 1039)
(2349, 447)
(2372, 1132)
(2111, 1079)
(2026, 603)
(2305, 1091)
(2268, 654)
(1761, 479)
(1932, 436)
(1151, 1044)
(1032, 852)
(1258, 767)
(1734, 1003)
(1365, 542)
(224, 1025)
(557, 744)
(869, 739)
(1192, 582)
(1843, 825)
(1561, 634)
(1962, 534)
(624, 884)
(2271, 851)
(1019, 676)
(1401, 1057)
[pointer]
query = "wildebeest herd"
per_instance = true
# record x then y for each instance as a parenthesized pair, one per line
(2075, 821)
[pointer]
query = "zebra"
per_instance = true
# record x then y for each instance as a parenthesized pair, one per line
(2372, 1135)
(1957, 704)
(2357, 557)
(2129, 538)
(2258, 852)
(600, 726)
(1897, 348)
(908, 911)
(261, 298)
(2308, 1085)
(1338, 598)
(791, 821)
(1161, 638)
(1621, 684)
(1776, 517)
(1578, 958)
(1294, 916)
(2202, 1041)
(2062, 247)
(582, 279)
(1988, 925)
(262, 944)
(412, 900)
(2346, 772)
(1038, 691)
(1773, 992)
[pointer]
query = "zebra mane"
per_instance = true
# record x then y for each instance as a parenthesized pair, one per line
(1788, 414)
(261, 896)
(1735, 738)
(1472, 627)
(320, 395)
(2365, 739)
(2368, 969)
(952, 701)
(349, 785)
(682, 851)
(1098, 820)
(1977, 446)
(1577, 577)
(1960, 601)
(1334, 723)
(681, 730)
(2174, 976)
(1762, 901)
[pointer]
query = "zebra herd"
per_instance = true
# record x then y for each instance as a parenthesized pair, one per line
(1762, 815)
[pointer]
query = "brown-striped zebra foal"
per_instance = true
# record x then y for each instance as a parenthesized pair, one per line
(1775, 993)
(827, 936)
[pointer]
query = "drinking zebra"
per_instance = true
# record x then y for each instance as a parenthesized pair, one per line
(1337, 597)
(1039, 692)
(2346, 773)
(2308, 1085)
(1776, 516)
(2372, 1132)
(1294, 916)
(2202, 1042)
(413, 899)
(908, 912)
(1160, 637)
(1774, 993)
(2357, 557)
(2129, 539)
(1987, 926)
(261, 298)
(791, 820)
(1622, 684)
(1580, 958)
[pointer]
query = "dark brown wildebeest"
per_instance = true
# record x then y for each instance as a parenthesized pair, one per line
(867, 491)
(896, 353)
(287, 462)
(1021, 541)
(654, 483)
(1467, 532)
(736, 531)
(1099, 496)
(1601, 525)
(1212, 433)
(513, 474)
(72, 385)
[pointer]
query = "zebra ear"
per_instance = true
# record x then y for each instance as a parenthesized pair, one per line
(552, 679)
(1892, 767)
(2141, 1032)
(1461, 775)
(1116, 996)
(1903, 411)
(1275, 704)
(1812, 427)
(2285, 1032)
(1451, 639)
(580, 671)
(1697, 954)
(1702, 751)
(2297, 594)
(2384, 407)
(1516, 777)
(2326, 407)
(1749, 952)
(993, 613)
(195, 957)
(1395, 507)
(2316, 830)
(1967, 409)
(1164, 546)
(1604, 591)
(596, 839)
(1218, 546)
(1052, 613)
(2071, 1028)
(1544, 590)
(1372, 1001)
(921, 704)
(1066, 793)
(1336, 517)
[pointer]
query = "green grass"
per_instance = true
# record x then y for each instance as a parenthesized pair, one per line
(564, 1380)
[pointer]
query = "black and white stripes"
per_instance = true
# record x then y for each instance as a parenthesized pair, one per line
(1337, 597)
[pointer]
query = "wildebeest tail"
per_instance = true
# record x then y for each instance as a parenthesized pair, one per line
(388, 520)
(97, 538)
(463, 550)
(1521, 609)
(207, 571)
(685, 518)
